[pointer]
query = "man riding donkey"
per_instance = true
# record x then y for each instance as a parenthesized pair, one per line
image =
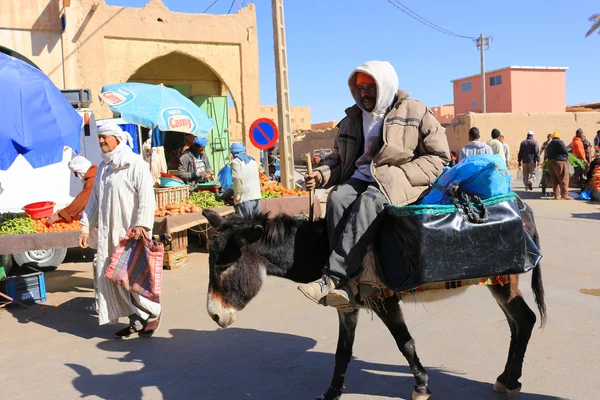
(388, 150)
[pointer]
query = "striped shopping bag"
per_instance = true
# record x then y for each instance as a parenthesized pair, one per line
(137, 266)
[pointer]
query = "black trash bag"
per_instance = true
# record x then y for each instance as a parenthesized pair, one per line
(469, 239)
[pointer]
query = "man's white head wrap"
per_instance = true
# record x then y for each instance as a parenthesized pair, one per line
(112, 129)
(80, 165)
(120, 157)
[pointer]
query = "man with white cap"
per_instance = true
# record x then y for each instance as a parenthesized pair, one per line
(122, 203)
(86, 172)
(529, 157)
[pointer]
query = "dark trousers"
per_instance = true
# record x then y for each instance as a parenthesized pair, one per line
(353, 218)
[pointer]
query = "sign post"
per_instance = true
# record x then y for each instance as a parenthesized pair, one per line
(264, 135)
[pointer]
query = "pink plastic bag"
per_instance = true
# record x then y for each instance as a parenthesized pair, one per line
(137, 266)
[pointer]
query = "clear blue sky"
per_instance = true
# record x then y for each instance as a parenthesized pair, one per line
(327, 39)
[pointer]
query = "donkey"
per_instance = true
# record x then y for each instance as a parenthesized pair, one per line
(244, 251)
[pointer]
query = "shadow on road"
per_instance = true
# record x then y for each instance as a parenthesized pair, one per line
(76, 317)
(589, 216)
(251, 364)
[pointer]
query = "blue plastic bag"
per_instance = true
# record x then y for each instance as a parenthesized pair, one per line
(482, 175)
(586, 195)
(225, 178)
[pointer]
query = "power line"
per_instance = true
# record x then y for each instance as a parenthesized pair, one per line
(424, 21)
(209, 7)
(231, 7)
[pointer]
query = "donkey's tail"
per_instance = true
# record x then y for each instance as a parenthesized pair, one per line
(537, 286)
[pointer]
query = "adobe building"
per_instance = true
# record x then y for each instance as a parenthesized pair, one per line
(89, 44)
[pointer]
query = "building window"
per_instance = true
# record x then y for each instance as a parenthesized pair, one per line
(292, 120)
(474, 104)
(496, 80)
(302, 120)
(466, 86)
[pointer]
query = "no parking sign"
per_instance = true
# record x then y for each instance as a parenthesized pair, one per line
(264, 133)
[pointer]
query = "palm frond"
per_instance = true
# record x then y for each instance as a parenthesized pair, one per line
(596, 26)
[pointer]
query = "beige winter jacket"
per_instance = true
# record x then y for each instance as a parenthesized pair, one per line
(413, 154)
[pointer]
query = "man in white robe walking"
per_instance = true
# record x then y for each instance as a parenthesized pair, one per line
(122, 203)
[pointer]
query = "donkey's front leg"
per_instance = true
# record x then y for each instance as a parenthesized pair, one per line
(391, 315)
(343, 354)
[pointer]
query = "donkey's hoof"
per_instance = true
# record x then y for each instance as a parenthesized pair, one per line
(513, 392)
(500, 387)
(331, 394)
(417, 395)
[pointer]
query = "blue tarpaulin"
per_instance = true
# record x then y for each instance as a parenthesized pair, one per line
(37, 119)
(483, 175)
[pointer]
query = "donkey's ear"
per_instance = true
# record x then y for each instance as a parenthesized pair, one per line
(214, 219)
(248, 235)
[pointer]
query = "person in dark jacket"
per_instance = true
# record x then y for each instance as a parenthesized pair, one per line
(194, 166)
(529, 157)
(558, 158)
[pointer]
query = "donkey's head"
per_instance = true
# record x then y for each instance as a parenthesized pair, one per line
(236, 273)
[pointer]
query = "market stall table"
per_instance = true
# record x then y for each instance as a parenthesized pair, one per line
(168, 225)
(13, 244)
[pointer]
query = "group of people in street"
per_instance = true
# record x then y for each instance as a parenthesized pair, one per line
(495, 146)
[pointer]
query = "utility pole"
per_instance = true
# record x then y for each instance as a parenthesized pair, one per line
(483, 44)
(286, 140)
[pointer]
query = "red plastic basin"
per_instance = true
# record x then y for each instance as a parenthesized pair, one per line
(40, 210)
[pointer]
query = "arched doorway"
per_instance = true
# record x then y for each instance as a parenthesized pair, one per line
(198, 82)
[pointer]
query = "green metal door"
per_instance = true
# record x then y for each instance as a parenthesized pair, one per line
(218, 138)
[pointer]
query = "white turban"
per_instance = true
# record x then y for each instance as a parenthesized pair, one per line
(112, 129)
(79, 165)
(530, 133)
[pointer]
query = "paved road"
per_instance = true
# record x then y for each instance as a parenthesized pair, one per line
(282, 345)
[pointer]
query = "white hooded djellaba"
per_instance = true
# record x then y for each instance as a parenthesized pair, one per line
(123, 198)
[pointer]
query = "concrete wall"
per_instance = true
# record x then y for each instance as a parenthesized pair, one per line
(538, 91)
(314, 140)
(323, 125)
(444, 114)
(514, 127)
(111, 44)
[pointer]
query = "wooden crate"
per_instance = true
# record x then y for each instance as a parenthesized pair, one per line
(179, 240)
(170, 195)
(175, 259)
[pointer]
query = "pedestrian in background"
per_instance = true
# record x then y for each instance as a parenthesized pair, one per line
(529, 157)
(246, 183)
(558, 158)
(506, 150)
(474, 146)
(544, 148)
(496, 145)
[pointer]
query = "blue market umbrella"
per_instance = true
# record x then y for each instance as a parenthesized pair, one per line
(154, 106)
(36, 119)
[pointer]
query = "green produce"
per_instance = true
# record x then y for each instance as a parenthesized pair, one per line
(576, 162)
(271, 195)
(205, 199)
(16, 224)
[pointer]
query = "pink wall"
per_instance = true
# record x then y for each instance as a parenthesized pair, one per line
(521, 90)
(539, 91)
(498, 98)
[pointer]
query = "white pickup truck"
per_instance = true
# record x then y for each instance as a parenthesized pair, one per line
(22, 184)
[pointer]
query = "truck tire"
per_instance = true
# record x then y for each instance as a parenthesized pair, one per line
(46, 259)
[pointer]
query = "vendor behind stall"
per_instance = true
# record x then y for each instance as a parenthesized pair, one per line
(194, 165)
(86, 172)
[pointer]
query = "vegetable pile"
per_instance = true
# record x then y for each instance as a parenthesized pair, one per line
(20, 224)
(273, 190)
(15, 224)
(178, 208)
(60, 226)
(205, 199)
